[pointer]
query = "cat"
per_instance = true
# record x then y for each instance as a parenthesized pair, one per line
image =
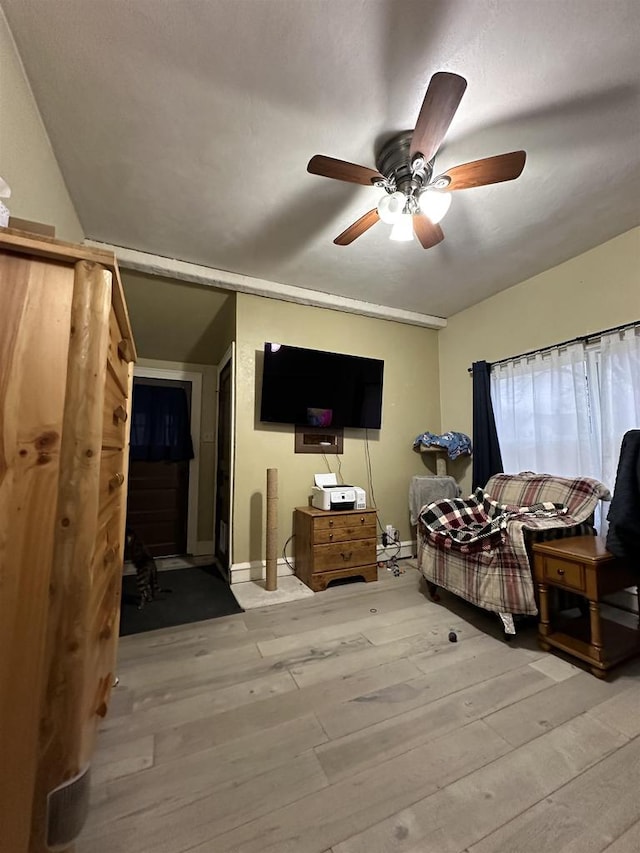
(146, 570)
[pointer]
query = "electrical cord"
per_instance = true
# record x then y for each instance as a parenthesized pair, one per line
(367, 455)
(284, 551)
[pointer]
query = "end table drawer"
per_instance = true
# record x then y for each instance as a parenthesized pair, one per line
(564, 573)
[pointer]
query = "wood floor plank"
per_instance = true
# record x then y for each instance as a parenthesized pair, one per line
(561, 701)
(584, 816)
(200, 643)
(621, 711)
(195, 708)
(186, 665)
(368, 747)
(332, 612)
(629, 842)
(150, 642)
(423, 623)
(338, 811)
(467, 810)
(170, 785)
(175, 831)
(493, 660)
(365, 625)
(231, 672)
(347, 722)
(123, 759)
(369, 656)
(192, 736)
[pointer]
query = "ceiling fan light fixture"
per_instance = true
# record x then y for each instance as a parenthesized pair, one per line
(402, 230)
(434, 204)
(391, 206)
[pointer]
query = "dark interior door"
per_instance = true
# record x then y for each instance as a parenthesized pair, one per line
(222, 526)
(158, 493)
(157, 505)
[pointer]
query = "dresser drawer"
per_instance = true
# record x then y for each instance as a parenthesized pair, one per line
(109, 546)
(336, 521)
(114, 415)
(326, 536)
(343, 555)
(564, 573)
(118, 354)
(112, 484)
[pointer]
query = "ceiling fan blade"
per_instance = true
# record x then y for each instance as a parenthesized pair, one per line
(438, 109)
(329, 167)
(491, 170)
(357, 228)
(428, 233)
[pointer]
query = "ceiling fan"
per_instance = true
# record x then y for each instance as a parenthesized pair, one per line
(414, 201)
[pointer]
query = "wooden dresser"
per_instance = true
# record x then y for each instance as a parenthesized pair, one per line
(331, 545)
(66, 362)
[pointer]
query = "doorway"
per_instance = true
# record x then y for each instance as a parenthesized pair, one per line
(158, 498)
(162, 510)
(192, 383)
(223, 503)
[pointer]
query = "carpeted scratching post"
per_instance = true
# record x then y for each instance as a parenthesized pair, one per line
(272, 530)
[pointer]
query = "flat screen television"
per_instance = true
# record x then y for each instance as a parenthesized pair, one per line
(323, 389)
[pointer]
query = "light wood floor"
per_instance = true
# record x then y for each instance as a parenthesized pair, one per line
(348, 723)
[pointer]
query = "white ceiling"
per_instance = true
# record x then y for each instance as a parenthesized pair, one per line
(183, 129)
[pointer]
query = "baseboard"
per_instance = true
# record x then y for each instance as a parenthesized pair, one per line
(407, 549)
(256, 570)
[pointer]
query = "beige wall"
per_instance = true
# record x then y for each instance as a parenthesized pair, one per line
(179, 321)
(27, 162)
(410, 405)
(592, 292)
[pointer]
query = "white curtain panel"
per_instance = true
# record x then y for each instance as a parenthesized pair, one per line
(543, 414)
(619, 394)
(565, 412)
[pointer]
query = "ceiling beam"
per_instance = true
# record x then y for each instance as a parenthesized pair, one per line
(131, 259)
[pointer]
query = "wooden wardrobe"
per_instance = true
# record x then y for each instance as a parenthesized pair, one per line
(66, 363)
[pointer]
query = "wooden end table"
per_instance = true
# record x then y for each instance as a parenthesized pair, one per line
(582, 564)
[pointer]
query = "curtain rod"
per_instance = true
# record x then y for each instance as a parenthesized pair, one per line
(583, 339)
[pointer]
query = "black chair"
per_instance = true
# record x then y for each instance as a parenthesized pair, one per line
(623, 537)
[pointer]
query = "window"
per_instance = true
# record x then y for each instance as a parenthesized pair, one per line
(565, 410)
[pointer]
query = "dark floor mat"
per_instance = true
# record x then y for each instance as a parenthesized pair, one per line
(196, 593)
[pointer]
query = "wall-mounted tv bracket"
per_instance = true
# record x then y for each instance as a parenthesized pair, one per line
(318, 439)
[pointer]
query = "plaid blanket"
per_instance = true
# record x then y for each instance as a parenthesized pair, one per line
(483, 557)
(478, 519)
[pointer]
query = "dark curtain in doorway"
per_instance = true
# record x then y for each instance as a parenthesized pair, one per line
(487, 459)
(160, 427)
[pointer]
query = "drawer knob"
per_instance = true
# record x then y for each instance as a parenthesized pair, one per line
(116, 480)
(346, 556)
(331, 536)
(120, 414)
(560, 571)
(362, 519)
(123, 350)
(330, 522)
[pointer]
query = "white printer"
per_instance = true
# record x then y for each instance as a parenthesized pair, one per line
(327, 494)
